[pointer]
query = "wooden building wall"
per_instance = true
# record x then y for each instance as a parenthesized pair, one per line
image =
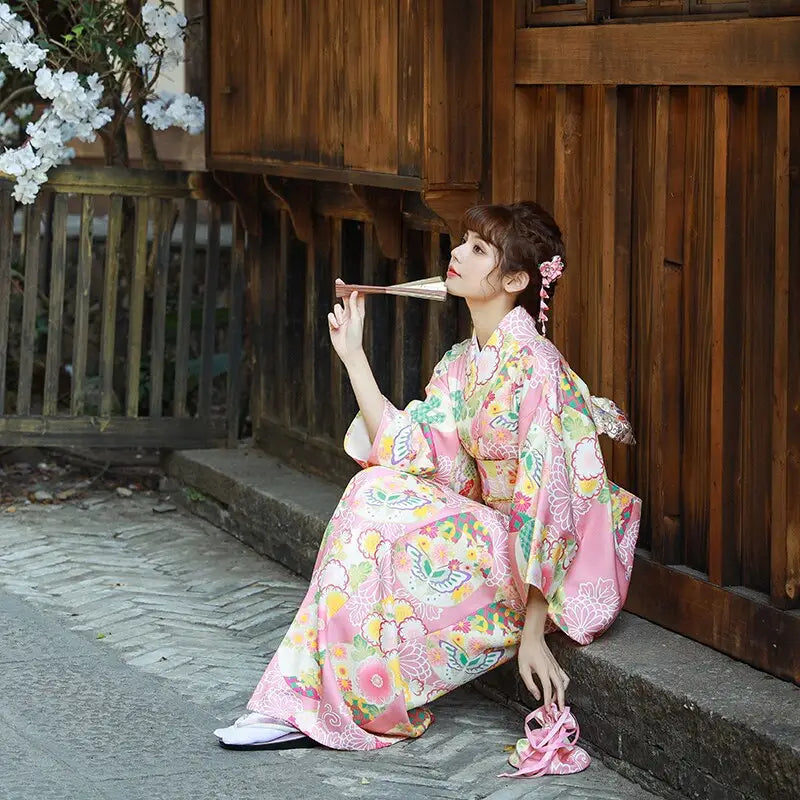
(676, 182)
(670, 154)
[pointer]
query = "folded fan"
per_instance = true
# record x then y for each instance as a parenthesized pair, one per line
(426, 289)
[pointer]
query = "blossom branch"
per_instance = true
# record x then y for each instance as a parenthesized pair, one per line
(15, 95)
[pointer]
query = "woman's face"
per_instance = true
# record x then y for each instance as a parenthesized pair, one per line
(473, 273)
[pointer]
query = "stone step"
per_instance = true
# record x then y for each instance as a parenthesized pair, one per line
(679, 718)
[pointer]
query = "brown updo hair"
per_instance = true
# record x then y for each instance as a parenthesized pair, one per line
(525, 236)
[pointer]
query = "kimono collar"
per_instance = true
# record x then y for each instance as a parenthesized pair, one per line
(517, 321)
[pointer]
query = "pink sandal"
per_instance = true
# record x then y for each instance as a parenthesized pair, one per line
(550, 749)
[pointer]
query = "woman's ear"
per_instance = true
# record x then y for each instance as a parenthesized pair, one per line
(516, 282)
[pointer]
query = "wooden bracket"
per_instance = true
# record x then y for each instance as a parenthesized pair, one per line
(450, 201)
(246, 193)
(298, 196)
(385, 208)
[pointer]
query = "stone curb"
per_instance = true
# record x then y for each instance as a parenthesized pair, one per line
(675, 716)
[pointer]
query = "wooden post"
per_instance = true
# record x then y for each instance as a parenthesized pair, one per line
(6, 244)
(58, 266)
(80, 344)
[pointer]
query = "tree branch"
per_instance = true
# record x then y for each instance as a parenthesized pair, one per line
(23, 90)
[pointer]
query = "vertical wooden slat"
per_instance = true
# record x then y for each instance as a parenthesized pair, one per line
(136, 309)
(30, 305)
(433, 347)
(108, 329)
(753, 337)
(185, 306)
(664, 546)
(281, 375)
(399, 365)
(792, 541)
(368, 276)
(83, 284)
(6, 243)
(785, 568)
(209, 312)
(622, 388)
(159, 320)
(235, 325)
(716, 432)
(696, 324)
(336, 364)
(503, 31)
(671, 377)
(312, 322)
(58, 267)
(566, 319)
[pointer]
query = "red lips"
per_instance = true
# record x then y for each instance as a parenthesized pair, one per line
(451, 271)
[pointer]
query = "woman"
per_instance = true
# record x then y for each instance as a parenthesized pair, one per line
(484, 517)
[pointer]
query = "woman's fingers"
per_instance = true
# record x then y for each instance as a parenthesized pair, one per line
(353, 303)
(530, 684)
(360, 307)
(332, 322)
(547, 688)
(339, 280)
(561, 689)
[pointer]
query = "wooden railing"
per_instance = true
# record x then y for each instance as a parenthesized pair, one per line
(111, 329)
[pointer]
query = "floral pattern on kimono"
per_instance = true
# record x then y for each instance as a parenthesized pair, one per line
(494, 483)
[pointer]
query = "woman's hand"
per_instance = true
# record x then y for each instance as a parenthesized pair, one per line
(534, 658)
(346, 326)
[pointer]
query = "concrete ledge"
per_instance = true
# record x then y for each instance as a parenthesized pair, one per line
(678, 717)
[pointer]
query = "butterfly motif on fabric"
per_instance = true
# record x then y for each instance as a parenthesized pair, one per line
(443, 579)
(505, 421)
(407, 500)
(401, 445)
(458, 660)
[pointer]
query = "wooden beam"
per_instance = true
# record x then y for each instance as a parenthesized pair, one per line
(746, 52)
(747, 628)
(62, 431)
(118, 180)
(241, 162)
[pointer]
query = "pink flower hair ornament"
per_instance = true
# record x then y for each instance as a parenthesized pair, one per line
(550, 272)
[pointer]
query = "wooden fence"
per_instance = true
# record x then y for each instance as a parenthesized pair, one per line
(112, 332)
(302, 399)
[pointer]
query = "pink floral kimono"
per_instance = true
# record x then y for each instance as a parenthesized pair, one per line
(493, 482)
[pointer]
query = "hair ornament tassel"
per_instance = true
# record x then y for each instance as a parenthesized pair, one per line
(550, 272)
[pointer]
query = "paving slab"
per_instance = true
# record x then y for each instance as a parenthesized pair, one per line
(130, 715)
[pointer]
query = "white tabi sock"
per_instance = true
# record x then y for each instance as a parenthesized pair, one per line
(257, 728)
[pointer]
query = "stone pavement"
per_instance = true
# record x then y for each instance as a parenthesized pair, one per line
(127, 636)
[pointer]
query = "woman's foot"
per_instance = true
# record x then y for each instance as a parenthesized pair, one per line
(256, 729)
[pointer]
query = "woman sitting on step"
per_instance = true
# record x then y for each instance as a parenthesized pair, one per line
(483, 519)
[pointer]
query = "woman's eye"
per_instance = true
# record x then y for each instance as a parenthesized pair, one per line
(478, 249)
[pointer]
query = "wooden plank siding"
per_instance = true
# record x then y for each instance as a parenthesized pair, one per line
(669, 153)
(684, 196)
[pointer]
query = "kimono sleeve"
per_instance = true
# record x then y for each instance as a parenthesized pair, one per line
(421, 439)
(561, 492)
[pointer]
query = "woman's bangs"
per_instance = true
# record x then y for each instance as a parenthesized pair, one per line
(490, 223)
